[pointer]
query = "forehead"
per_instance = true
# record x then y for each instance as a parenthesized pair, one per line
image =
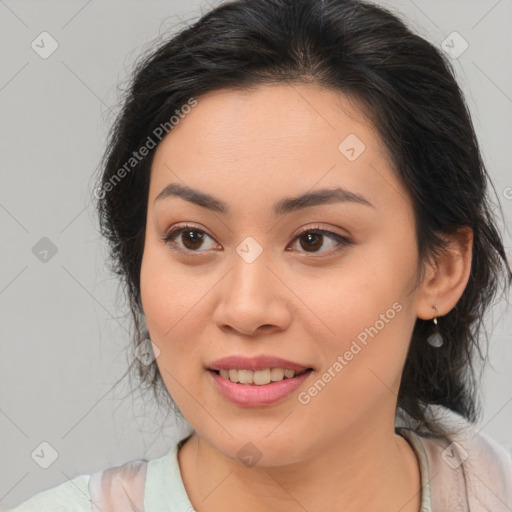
(273, 138)
(228, 118)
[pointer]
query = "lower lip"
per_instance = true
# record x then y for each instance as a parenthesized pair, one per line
(256, 396)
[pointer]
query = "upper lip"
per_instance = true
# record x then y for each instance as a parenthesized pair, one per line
(255, 363)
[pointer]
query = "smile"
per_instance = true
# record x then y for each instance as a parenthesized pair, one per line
(258, 377)
(257, 395)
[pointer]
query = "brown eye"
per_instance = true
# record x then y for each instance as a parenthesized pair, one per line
(313, 240)
(188, 238)
(192, 239)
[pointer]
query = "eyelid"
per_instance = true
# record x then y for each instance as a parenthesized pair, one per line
(318, 228)
(178, 227)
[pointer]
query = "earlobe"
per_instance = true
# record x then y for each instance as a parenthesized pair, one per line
(447, 276)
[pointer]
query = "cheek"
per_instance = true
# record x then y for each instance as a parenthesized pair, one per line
(168, 302)
(367, 322)
(363, 361)
(345, 300)
(167, 297)
(175, 300)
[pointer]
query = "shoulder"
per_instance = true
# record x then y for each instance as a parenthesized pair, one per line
(468, 470)
(70, 496)
(135, 485)
(114, 488)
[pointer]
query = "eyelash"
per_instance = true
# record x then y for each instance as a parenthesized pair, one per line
(341, 240)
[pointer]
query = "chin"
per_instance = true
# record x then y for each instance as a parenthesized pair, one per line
(261, 450)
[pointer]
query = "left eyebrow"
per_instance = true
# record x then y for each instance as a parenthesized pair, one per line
(318, 197)
(281, 207)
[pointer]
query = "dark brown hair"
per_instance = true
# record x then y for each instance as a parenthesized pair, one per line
(408, 89)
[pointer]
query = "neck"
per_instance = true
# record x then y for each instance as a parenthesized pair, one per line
(365, 469)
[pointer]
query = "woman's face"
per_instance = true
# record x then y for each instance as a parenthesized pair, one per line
(243, 281)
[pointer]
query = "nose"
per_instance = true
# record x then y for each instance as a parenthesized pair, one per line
(252, 298)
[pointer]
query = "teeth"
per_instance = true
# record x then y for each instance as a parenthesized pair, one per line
(258, 377)
(261, 377)
(276, 374)
(245, 376)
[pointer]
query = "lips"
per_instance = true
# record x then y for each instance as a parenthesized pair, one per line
(256, 363)
(260, 392)
(248, 395)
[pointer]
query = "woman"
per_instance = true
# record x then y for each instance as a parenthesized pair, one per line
(295, 199)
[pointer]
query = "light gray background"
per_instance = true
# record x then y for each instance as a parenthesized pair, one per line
(63, 322)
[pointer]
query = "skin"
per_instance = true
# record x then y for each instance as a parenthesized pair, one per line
(251, 149)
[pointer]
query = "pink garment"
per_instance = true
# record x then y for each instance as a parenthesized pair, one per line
(119, 488)
(467, 472)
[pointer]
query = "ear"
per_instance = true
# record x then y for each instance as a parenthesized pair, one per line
(447, 277)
